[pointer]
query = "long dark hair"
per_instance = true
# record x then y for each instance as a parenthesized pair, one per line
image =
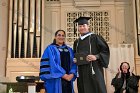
(54, 41)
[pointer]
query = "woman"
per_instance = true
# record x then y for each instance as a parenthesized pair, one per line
(57, 69)
(125, 81)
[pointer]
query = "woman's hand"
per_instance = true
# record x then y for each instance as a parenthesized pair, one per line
(65, 76)
(68, 77)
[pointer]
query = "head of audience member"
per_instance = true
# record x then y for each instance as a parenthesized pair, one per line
(124, 67)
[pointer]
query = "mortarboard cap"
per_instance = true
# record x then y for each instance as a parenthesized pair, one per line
(81, 21)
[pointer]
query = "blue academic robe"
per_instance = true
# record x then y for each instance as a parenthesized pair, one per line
(51, 71)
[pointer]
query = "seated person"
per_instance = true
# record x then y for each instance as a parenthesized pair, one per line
(125, 81)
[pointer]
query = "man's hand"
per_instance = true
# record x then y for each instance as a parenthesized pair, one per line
(91, 58)
(74, 60)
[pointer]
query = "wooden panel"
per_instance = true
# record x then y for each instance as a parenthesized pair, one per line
(137, 61)
(16, 67)
(14, 74)
(138, 69)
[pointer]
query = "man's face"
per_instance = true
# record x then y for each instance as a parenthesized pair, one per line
(83, 29)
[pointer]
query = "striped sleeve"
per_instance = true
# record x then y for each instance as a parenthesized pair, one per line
(49, 67)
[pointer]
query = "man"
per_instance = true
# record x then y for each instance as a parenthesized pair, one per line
(92, 54)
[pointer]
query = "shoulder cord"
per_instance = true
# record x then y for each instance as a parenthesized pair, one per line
(76, 52)
(90, 44)
(77, 45)
(93, 72)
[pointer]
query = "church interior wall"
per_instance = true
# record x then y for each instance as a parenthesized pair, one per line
(122, 30)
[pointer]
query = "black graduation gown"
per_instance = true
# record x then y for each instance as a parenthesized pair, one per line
(86, 82)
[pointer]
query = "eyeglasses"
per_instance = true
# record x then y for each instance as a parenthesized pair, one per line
(60, 35)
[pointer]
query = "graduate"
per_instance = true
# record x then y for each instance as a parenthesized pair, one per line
(91, 55)
(57, 69)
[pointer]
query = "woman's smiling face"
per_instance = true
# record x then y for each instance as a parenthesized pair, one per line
(60, 38)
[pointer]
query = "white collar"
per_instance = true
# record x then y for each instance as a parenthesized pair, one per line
(84, 36)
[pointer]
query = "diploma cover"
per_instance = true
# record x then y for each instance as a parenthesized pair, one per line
(81, 59)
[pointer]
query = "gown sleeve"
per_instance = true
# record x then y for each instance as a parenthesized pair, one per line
(73, 65)
(117, 81)
(104, 52)
(49, 67)
(133, 82)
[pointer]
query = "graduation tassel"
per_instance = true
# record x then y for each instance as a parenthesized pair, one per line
(93, 72)
(10, 90)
